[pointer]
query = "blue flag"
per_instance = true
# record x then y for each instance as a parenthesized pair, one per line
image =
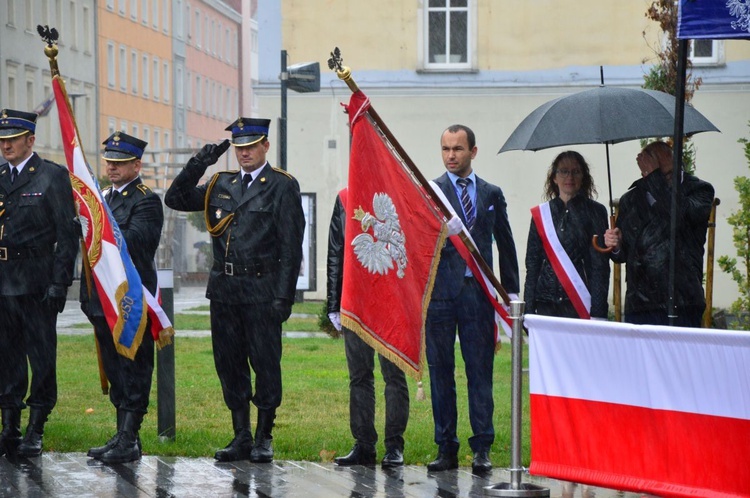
(713, 19)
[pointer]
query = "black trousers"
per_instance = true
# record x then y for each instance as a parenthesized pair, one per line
(360, 358)
(28, 329)
(242, 333)
(130, 380)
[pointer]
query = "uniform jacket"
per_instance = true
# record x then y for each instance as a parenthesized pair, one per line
(575, 224)
(139, 214)
(491, 220)
(262, 245)
(38, 228)
(645, 230)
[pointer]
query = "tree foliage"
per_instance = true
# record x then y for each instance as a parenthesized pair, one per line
(740, 222)
(663, 73)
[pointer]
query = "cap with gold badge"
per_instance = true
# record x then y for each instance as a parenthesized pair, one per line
(248, 131)
(122, 147)
(16, 123)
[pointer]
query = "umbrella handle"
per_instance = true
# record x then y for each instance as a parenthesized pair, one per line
(595, 239)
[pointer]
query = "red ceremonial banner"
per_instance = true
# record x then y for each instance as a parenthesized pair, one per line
(394, 235)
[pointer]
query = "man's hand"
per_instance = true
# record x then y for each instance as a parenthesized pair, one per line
(613, 238)
(55, 297)
(210, 153)
(281, 309)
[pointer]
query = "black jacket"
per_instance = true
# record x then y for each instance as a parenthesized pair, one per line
(575, 224)
(645, 225)
(257, 257)
(140, 216)
(335, 262)
(38, 228)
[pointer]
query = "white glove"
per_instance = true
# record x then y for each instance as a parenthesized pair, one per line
(514, 297)
(455, 226)
(335, 320)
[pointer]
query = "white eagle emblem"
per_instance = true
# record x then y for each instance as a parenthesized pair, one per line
(377, 252)
(740, 9)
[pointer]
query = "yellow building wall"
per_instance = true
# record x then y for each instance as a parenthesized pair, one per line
(512, 35)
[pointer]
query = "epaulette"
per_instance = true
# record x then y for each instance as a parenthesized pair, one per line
(230, 172)
(52, 163)
(143, 188)
(283, 172)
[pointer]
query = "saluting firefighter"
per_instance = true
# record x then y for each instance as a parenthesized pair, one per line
(38, 247)
(256, 223)
(140, 216)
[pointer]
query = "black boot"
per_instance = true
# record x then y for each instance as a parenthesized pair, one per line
(98, 451)
(242, 444)
(126, 449)
(10, 437)
(31, 445)
(263, 449)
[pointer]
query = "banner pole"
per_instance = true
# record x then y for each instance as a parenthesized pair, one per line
(344, 73)
(516, 487)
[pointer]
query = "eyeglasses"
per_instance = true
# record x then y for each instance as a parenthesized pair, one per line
(567, 172)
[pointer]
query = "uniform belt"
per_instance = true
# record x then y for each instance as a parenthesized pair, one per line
(7, 253)
(257, 268)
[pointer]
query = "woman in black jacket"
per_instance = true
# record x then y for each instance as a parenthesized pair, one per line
(576, 217)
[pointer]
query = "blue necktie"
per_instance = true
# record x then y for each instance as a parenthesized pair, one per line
(13, 174)
(469, 211)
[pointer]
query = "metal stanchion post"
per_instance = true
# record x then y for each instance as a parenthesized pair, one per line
(165, 364)
(515, 487)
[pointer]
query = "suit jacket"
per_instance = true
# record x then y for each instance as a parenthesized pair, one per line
(261, 245)
(491, 220)
(39, 221)
(139, 214)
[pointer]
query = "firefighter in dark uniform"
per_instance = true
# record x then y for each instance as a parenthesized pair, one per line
(38, 247)
(139, 215)
(256, 222)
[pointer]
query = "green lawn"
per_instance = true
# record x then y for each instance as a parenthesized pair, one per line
(312, 422)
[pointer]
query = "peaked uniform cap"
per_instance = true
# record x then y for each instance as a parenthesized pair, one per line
(122, 147)
(248, 131)
(15, 123)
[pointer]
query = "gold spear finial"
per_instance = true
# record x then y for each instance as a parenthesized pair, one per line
(335, 63)
(50, 36)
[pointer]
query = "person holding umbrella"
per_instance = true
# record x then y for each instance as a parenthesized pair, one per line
(642, 235)
(565, 275)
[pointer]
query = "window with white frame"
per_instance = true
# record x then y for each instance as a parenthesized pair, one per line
(166, 15)
(155, 13)
(73, 30)
(121, 7)
(123, 69)
(178, 87)
(134, 10)
(706, 52)
(165, 81)
(198, 106)
(30, 103)
(87, 24)
(111, 126)
(144, 12)
(155, 79)
(134, 71)
(110, 64)
(144, 75)
(30, 16)
(45, 13)
(197, 26)
(448, 34)
(110, 4)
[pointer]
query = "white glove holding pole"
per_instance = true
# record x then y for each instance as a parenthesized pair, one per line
(335, 319)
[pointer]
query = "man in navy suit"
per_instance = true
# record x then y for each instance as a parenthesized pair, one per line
(458, 301)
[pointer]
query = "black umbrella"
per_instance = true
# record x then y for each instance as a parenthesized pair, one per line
(603, 115)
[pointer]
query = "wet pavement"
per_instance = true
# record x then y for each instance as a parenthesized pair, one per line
(62, 475)
(73, 475)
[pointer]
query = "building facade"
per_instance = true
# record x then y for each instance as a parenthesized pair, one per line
(427, 64)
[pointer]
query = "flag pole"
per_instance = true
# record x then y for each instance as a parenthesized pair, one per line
(49, 36)
(345, 73)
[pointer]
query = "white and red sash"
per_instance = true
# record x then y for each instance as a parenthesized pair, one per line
(564, 268)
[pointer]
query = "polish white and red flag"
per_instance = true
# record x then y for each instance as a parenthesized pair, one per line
(664, 410)
(127, 304)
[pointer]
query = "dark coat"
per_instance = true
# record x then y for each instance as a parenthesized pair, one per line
(39, 220)
(139, 214)
(335, 262)
(261, 246)
(645, 227)
(491, 220)
(575, 224)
